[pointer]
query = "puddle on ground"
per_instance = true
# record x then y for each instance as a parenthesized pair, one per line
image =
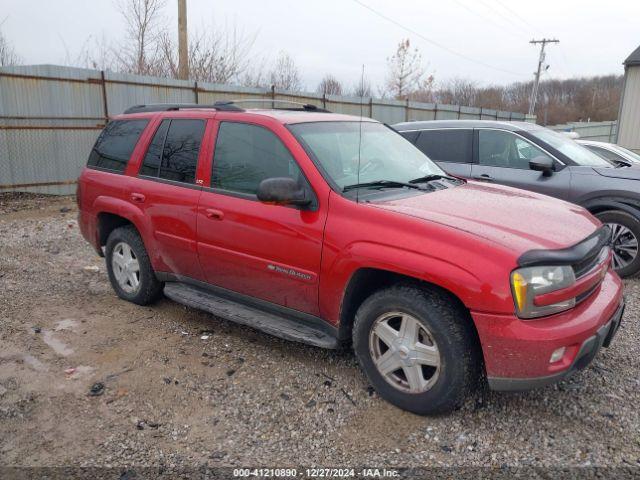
(26, 359)
(67, 324)
(57, 345)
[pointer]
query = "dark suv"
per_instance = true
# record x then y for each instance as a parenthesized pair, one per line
(528, 156)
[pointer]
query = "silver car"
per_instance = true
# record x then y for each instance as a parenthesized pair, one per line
(616, 154)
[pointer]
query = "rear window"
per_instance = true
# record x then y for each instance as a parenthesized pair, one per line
(115, 144)
(447, 145)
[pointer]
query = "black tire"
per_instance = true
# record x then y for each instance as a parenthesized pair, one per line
(633, 224)
(451, 329)
(149, 288)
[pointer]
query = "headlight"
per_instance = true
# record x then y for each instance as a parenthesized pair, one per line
(527, 283)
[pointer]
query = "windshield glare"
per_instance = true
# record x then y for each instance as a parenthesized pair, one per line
(350, 158)
(576, 152)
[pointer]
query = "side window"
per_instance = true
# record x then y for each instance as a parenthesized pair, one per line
(247, 154)
(173, 151)
(153, 157)
(498, 148)
(180, 152)
(115, 144)
(447, 145)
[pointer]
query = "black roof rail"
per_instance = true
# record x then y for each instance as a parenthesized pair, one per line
(167, 107)
(226, 106)
(274, 105)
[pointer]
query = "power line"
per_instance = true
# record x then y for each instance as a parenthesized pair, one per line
(519, 33)
(516, 15)
(435, 43)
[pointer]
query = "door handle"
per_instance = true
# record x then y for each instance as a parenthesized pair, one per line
(214, 214)
(137, 197)
(484, 178)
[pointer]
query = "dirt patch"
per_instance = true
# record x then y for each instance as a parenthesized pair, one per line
(240, 397)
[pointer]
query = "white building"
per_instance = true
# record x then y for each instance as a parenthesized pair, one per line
(629, 114)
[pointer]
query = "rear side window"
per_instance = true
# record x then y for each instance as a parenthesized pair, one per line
(247, 154)
(151, 163)
(173, 151)
(447, 145)
(115, 144)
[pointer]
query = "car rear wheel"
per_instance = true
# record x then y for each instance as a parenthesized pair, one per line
(129, 267)
(417, 348)
(625, 234)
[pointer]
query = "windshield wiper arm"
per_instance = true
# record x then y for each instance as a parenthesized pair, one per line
(382, 183)
(428, 178)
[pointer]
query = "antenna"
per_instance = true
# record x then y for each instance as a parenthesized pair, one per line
(360, 134)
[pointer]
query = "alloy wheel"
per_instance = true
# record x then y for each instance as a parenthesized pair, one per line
(126, 267)
(624, 245)
(404, 352)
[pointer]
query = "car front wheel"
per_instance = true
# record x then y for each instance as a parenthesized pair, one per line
(417, 348)
(625, 234)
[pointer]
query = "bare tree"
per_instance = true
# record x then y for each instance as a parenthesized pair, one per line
(285, 74)
(8, 55)
(406, 73)
(362, 88)
(329, 85)
(139, 53)
(256, 75)
(96, 53)
(218, 56)
(459, 91)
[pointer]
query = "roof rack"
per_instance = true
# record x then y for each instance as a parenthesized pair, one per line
(275, 104)
(167, 107)
(226, 106)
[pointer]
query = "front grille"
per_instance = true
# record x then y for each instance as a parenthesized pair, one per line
(587, 264)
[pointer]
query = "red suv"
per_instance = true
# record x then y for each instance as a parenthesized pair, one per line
(329, 229)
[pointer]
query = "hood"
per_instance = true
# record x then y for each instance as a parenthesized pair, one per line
(628, 173)
(516, 219)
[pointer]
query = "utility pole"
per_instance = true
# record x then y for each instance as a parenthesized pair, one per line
(534, 92)
(183, 49)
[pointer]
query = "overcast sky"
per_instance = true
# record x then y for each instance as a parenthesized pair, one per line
(339, 36)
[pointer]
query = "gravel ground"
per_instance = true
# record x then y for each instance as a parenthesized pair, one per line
(182, 388)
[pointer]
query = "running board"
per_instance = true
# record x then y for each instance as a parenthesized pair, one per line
(279, 326)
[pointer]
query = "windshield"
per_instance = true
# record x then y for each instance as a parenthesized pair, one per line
(381, 153)
(576, 152)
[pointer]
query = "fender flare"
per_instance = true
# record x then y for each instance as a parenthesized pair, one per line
(132, 213)
(338, 277)
(596, 206)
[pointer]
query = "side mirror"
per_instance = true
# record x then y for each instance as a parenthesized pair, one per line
(282, 191)
(541, 164)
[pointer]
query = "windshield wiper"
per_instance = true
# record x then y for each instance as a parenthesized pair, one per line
(383, 184)
(428, 178)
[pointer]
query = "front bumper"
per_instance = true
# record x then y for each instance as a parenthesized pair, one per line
(587, 352)
(517, 352)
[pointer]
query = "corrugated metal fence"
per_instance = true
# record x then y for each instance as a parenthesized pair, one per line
(597, 131)
(50, 116)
